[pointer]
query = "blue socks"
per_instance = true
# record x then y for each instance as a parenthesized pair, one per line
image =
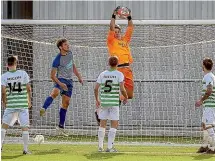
(47, 102)
(62, 114)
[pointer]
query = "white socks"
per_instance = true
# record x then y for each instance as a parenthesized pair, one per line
(3, 132)
(111, 137)
(25, 137)
(101, 135)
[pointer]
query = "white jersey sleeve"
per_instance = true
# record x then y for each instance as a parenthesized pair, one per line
(3, 80)
(99, 80)
(26, 78)
(208, 80)
(121, 77)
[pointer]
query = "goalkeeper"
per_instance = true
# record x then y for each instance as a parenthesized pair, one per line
(61, 73)
(118, 45)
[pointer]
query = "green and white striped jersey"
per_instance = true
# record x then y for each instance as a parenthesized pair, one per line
(16, 92)
(209, 78)
(110, 87)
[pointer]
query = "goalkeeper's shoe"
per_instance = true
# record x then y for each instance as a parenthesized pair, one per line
(203, 149)
(26, 152)
(112, 150)
(61, 131)
(42, 112)
(100, 149)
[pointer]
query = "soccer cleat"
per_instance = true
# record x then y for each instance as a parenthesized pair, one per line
(202, 149)
(26, 152)
(209, 151)
(42, 112)
(100, 149)
(112, 150)
(61, 131)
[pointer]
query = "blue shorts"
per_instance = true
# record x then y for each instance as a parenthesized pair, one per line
(69, 84)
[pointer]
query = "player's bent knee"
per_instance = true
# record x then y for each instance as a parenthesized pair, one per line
(54, 93)
(103, 123)
(25, 129)
(114, 123)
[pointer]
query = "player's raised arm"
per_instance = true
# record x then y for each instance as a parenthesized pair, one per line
(113, 18)
(130, 28)
(75, 71)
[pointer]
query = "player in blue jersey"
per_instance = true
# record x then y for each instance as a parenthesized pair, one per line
(62, 68)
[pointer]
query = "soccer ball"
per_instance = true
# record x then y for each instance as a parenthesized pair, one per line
(123, 12)
(39, 139)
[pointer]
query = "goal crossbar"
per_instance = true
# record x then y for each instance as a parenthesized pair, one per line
(105, 22)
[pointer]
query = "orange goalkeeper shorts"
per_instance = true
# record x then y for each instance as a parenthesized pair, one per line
(129, 83)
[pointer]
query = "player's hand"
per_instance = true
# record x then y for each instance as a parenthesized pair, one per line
(198, 103)
(64, 87)
(115, 10)
(125, 100)
(98, 104)
(81, 81)
(29, 105)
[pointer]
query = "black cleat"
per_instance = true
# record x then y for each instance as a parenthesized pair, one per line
(26, 152)
(203, 149)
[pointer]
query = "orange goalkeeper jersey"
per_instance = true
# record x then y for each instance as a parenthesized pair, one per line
(120, 48)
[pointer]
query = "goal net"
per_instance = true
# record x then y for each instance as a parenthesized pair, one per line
(167, 72)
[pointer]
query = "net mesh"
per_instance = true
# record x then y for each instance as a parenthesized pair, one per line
(166, 68)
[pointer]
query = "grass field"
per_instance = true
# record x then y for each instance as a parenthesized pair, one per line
(69, 152)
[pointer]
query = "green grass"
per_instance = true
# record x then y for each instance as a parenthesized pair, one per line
(62, 152)
(157, 139)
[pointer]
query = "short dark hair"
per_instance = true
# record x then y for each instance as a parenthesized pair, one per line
(60, 42)
(11, 60)
(113, 61)
(208, 63)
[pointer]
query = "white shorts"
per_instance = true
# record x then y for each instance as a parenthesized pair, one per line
(12, 115)
(208, 115)
(109, 113)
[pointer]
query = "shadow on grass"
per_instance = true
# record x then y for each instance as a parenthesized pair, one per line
(101, 156)
(204, 156)
(47, 152)
(12, 157)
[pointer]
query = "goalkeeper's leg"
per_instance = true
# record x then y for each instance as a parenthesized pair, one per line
(129, 83)
(55, 92)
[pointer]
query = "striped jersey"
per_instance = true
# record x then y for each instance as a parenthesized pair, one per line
(16, 92)
(209, 78)
(109, 81)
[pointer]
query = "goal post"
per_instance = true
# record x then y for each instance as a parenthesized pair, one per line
(167, 72)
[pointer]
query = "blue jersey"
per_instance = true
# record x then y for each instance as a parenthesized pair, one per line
(64, 65)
